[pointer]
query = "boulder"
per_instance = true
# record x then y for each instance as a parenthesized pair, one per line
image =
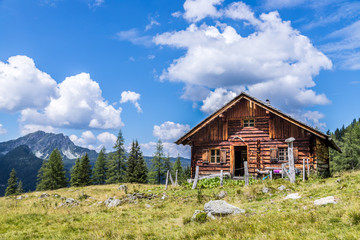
(70, 201)
(281, 188)
(326, 200)
(221, 207)
(123, 188)
(292, 196)
(19, 198)
(265, 190)
(112, 202)
(222, 194)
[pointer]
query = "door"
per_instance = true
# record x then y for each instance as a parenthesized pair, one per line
(240, 158)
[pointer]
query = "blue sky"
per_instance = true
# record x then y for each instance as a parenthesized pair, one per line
(154, 69)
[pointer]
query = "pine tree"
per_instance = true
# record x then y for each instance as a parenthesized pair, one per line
(85, 171)
(116, 164)
(75, 174)
(177, 167)
(19, 189)
(136, 165)
(52, 174)
(167, 164)
(157, 174)
(12, 184)
(99, 171)
(40, 184)
(187, 172)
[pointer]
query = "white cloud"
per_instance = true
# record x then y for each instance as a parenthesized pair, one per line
(96, 3)
(23, 85)
(133, 97)
(215, 100)
(176, 14)
(172, 149)
(196, 10)
(278, 4)
(88, 140)
(152, 23)
(170, 130)
(274, 61)
(151, 57)
(2, 129)
(313, 119)
(30, 128)
(135, 37)
(80, 105)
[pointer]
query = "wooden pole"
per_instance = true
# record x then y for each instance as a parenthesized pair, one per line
(196, 177)
(176, 180)
(290, 141)
(282, 170)
(246, 173)
(167, 180)
(308, 168)
(221, 178)
(171, 180)
(304, 170)
(271, 174)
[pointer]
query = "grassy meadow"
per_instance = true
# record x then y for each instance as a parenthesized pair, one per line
(268, 215)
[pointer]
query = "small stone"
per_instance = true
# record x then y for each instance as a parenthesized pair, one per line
(44, 195)
(338, 180)
(209, 215)
(147, 205)
(282, 188)
(292, 196)
(112, 202)
(304, 207)
(265, 190)
(222, 194)
(123, 188)
(221, 207)
(19, 198)
(326, 200)
(164, 196)
(70, 201)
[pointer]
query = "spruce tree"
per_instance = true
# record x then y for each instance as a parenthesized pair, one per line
(136, 165)
(19, 189)
(177, 167)
(52, 174)
(85, 171)
(12, 184)
(75, 174)
(40, 184)
(116, 164)
(157, 173)
(99, 171)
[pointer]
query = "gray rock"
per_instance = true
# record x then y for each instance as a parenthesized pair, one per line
(222, 194)
(221, 207)
(265, 190)
(70, 201)
(209, 215)
(282, 188)
(326, 200)
(164, 196)
(338, 180)
(112, 202)
(147, 205)
(44, 195)
(19, 198)
(292, 196)
(123, 188)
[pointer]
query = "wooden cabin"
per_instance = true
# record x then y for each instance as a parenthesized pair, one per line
(247, 129)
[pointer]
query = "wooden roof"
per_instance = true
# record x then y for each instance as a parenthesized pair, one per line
(185, 139)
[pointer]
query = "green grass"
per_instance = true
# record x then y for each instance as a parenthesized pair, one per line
(268, 215)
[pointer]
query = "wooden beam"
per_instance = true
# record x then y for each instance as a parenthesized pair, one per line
(232, 160)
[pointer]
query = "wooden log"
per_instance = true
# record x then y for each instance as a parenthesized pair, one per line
(246, 173)
(196, 177)
(167, 180)
(291, 159)
(171, 179)
(304, 170)
(176, 178)
(308, 168)
(271, 174)
(221, 178)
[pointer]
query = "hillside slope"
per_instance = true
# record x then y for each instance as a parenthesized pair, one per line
(268, 215)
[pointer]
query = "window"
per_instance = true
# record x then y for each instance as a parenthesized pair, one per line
(215, 156)
(283, 154)
(249, 123)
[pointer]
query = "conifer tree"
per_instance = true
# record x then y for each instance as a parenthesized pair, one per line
(52, 174)
(177, 167)
(19, 189)
(39, 183)
(167, 164)
(99, 171)
(187, 172)
(157, 174)
(75, 174)
(85, 171)
(12, 184)
(116, 163)
(136, 165)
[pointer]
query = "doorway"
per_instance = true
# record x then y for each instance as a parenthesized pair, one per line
(240, 158)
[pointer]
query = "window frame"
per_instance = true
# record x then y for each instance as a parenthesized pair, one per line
(283, 154)
(249, 122)
(215, 157)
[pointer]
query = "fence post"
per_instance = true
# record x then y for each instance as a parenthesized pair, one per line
(171, 180)
(246, 173)
(271, 174)
(196, 177)
(167, 180)
(176, 175)
(304, 170)
(290, 141)
(221, 178)
(308, 168)
(282, 170)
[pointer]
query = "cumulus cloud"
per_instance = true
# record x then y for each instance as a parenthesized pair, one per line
(133, 97)
(23, 85)
(274, 61)
(172, 149)
(217, 99)
(170, 130)
(79, 105)
(2, 129)
(88, 140)
(30, 128)
(196, 10)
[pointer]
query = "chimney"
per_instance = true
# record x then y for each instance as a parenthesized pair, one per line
(268, 102)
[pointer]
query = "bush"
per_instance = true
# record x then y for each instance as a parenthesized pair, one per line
(201, 217)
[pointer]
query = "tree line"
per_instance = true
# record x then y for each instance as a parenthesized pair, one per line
(111, 168)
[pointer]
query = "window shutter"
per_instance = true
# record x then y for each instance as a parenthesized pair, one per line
(296, 154)
(205, 155)
(223, 155)
(273, 154)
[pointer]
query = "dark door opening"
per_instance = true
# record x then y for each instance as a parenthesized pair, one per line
(240, 158)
